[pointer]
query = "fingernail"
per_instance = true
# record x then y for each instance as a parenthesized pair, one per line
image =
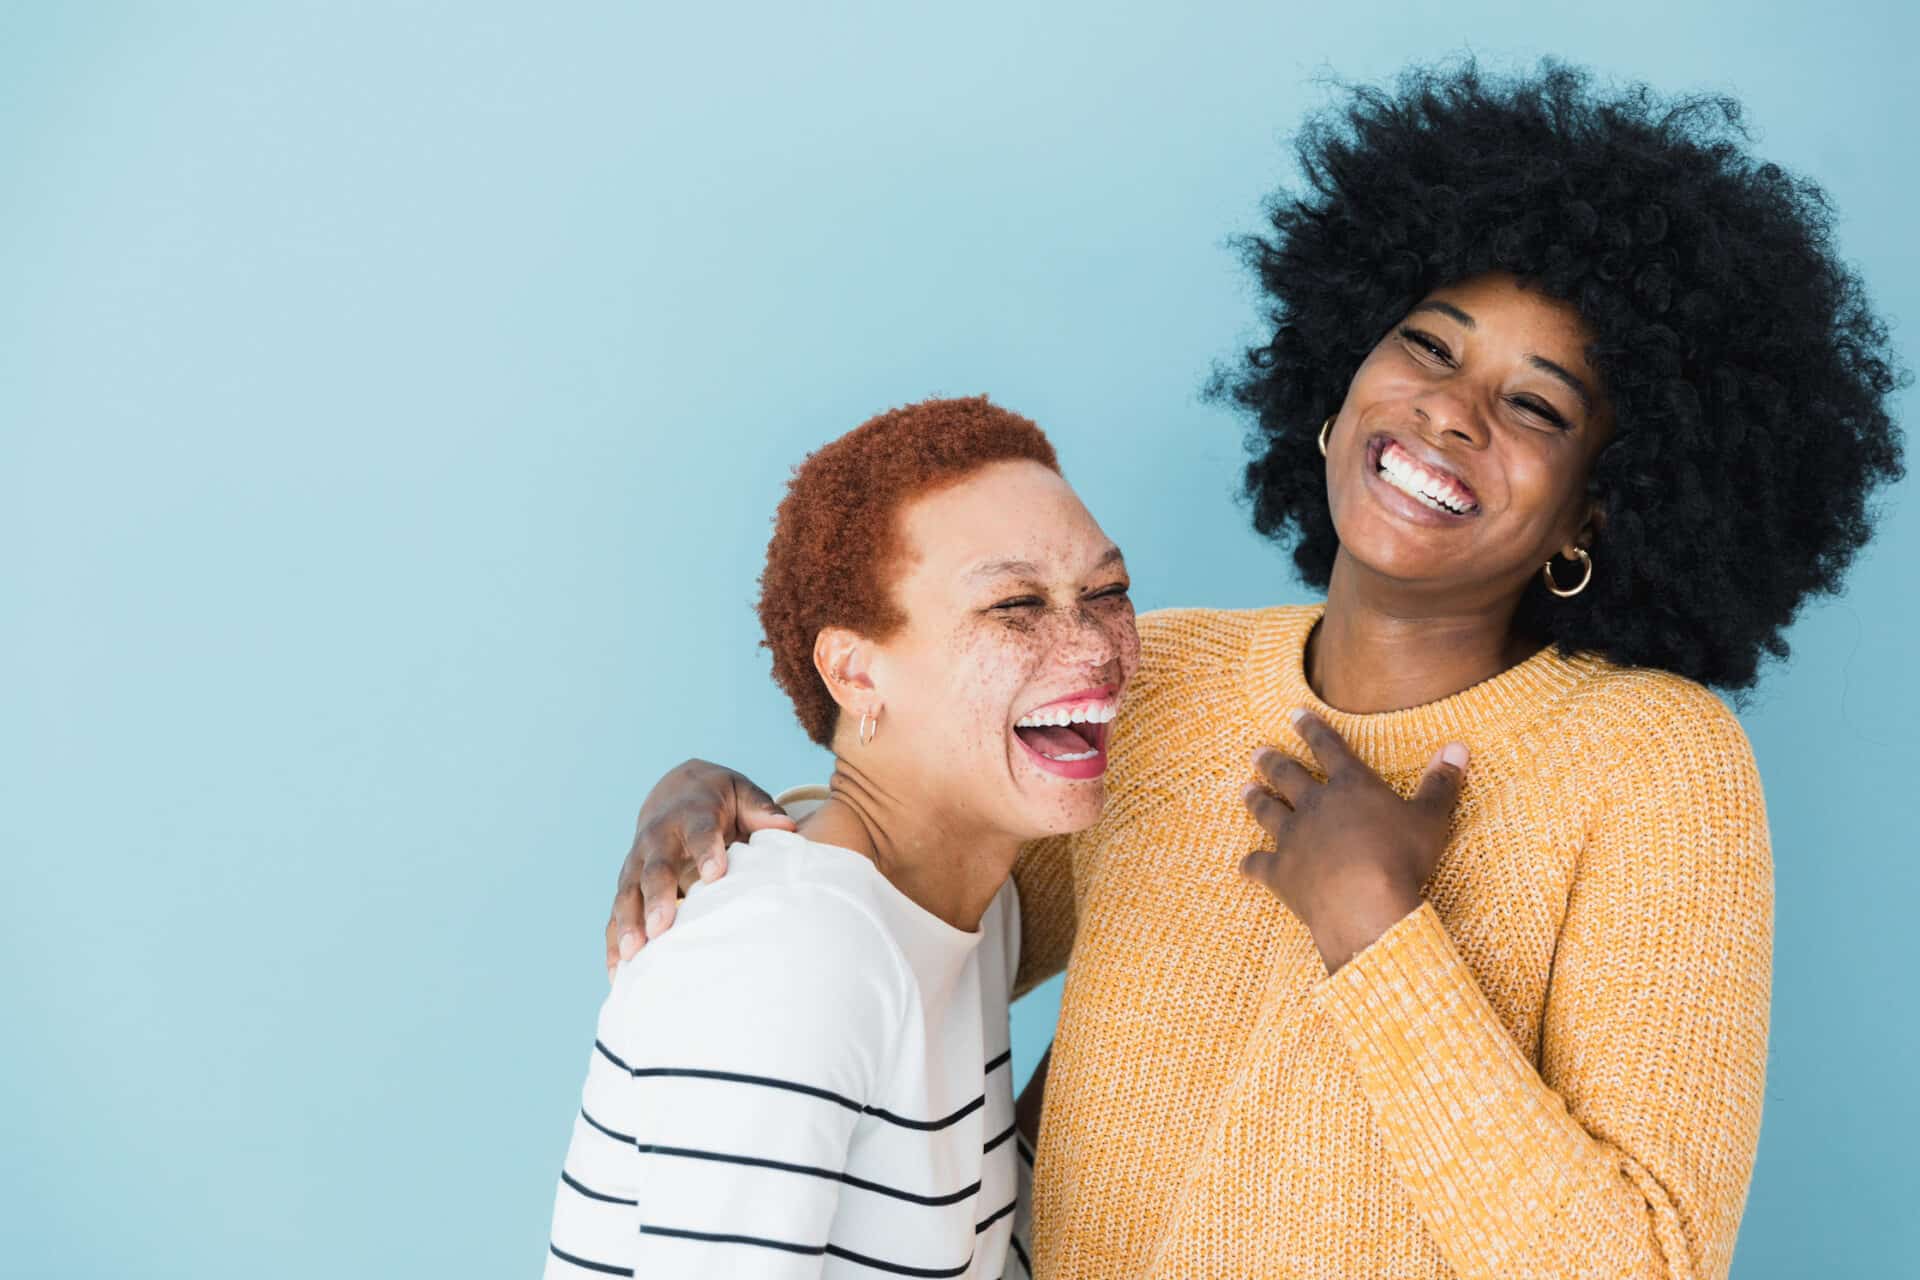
(1260, 756)
(1297, 714)
(656, 922)
(1454, 754)
(1248, 792)
(629, 945)
(710, 868)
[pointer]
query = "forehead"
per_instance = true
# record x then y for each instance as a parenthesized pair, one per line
(1505, 308)
(1003, 511)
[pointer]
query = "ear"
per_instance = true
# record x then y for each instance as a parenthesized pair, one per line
(1590, 528)
(844, 660)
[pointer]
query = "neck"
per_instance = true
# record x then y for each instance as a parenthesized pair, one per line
(944, 864)
(1377, 648)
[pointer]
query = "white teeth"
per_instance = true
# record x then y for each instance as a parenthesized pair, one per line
(1418, 482)
(1059, 717)
(1084, 755)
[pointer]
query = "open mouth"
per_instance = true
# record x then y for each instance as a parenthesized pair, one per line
(1068, 736)
(1437, 490)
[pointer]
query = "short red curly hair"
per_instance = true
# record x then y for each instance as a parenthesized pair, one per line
(837, 538)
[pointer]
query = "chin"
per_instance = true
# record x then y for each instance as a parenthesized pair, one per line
(1074, 808)
(1392, 554)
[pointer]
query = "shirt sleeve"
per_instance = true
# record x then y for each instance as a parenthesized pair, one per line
(1626, 1149)
(731, 1063)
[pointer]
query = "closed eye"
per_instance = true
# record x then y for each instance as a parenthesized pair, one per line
(1020, 602)
(1426, 342)
(1540, 409)
(1108, 593)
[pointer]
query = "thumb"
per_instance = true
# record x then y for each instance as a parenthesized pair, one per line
(755, 810)
(1439, 788)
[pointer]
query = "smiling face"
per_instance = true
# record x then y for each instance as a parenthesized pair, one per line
(1019, 640)
(1459, 459)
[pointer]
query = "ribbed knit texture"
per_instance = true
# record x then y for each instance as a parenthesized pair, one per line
(1554, 1068)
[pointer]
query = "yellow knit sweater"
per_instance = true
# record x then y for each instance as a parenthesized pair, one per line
(1551, 1069)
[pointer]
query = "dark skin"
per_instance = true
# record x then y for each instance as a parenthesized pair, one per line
(1484, 395)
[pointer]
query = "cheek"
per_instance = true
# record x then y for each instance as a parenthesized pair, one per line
(1125, 639)
(985, 669)
(1382, 383)
(1538, 490)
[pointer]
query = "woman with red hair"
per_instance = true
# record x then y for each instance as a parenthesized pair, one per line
(811, 1076)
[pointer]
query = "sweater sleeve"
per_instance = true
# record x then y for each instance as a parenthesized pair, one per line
(1049, 917)
(728, 1071)
(1626, 1150)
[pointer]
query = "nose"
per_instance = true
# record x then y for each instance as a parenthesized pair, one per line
(1084, 641)
(1448, 419)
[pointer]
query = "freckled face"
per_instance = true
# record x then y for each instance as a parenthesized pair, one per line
(1017, 610)
(1460, 456)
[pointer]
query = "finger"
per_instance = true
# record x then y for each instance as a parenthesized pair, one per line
(1262, 867)
(1267, 810)
(660, 888)
(1329, 749)
(1439, 788)
(703, 848)
(624, 934)
(757, 810)
(615, 933)
(1283, 775)
(748, 809)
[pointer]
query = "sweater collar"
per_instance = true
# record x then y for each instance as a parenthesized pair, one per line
(1398, 741)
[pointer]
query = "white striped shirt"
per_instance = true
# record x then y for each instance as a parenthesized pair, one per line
(808, 1076)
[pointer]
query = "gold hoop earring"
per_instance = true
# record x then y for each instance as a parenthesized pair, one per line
(1586, 561)
(869, 727)
(1324, 428)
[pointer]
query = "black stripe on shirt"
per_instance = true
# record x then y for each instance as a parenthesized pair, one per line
(878, 1264)
(1026, 1152)
(757, 1162)
(934, 1273)
(995, 1216)
(928, 1125)
(615, 1134)
(772, 1082)
(998, 1138)
(611, 1056)
(992, 1063)
(709, 1237)
(590, 1193)
(601, 1267)
(1013, 1242)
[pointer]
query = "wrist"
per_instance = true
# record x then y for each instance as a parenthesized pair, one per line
(1362, 918)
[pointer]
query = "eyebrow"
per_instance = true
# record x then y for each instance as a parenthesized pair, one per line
(1578, 387)
(1541, 363)
(1028, 569)
(1446, 309)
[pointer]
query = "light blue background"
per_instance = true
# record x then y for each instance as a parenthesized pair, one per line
(392, 402)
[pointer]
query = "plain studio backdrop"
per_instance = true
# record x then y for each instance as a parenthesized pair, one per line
(393, 401)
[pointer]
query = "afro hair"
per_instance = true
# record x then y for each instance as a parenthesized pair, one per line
(1748, 376)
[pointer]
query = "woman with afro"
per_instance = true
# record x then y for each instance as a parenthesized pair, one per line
(1568, 405)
